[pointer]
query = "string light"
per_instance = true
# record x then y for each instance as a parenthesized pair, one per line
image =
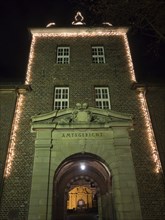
(145, 111)
(28, 80)
(47, 34)
(17, 114)
(30, 64)
(142, 98)
(79, 34)
(150, 134)
(130, 63)
(13, 136)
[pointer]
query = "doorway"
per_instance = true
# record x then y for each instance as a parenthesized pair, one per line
(82, 189)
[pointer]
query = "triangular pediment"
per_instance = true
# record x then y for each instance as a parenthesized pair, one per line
(82, 115)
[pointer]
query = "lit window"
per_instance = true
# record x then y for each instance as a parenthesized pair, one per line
(102, 97)
(61, 98)
(63, 55)
(98, 55)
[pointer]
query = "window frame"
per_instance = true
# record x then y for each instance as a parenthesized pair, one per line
(61, 56)
(98, 57)
(102, 102)
(59, 101)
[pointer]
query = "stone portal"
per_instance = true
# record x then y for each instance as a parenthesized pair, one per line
(96, 138)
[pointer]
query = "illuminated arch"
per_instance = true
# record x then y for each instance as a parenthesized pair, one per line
(69, 173)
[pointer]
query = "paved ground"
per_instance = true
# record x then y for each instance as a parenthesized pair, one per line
(82, 216)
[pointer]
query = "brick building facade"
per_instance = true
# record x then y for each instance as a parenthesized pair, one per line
(47, 144)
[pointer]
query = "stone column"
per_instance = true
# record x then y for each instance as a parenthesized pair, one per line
(106, 207)
(99, 207)
(40, 180)
(124, 184)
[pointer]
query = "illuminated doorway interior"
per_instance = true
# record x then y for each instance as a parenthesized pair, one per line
(82, 186)
(81, 198)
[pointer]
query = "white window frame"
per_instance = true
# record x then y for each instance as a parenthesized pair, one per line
(102, 97)
(98, 55)
(61, 98)
(63, 55)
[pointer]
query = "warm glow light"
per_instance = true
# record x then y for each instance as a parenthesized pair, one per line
(80, 34)
(150, 133)
(83, 34)
(145, 112)
(130, 63)
(31, 58)
(13, 136)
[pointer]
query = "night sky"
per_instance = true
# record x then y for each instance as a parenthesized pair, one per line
(17, 16)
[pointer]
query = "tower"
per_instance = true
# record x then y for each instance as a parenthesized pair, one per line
(81, 138)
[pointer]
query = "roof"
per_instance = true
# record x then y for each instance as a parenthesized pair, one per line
(80, 30)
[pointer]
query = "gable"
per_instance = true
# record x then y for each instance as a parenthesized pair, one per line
(82, 116)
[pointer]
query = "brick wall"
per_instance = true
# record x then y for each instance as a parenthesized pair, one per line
(81, 76)
(7, 106)
(156, 104)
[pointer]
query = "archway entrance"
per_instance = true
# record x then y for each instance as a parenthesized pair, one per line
(82, 189)
(67, 141)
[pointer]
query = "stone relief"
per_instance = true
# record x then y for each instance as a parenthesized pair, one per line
(81, 114)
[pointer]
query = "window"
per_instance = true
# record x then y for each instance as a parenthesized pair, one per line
(102, 97)
(63, 55)
(98, 55)
(61, 98)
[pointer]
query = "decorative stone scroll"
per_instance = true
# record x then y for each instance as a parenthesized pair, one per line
(78, 19)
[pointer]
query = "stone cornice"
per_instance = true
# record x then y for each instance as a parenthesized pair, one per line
(80, 126)
(81, 117)
(78, 30)
(148, 86)
(15, 88)
(63, 112)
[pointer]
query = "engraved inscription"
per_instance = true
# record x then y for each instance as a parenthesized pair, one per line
(82, 135)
